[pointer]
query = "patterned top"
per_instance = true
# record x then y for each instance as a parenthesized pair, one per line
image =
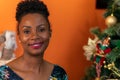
(6, 73)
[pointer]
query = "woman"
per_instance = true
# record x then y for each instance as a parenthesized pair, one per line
(34, 34)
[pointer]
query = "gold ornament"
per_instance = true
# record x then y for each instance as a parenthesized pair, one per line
(113, 68)
(97, 78)
(111, 20)
(105, 66)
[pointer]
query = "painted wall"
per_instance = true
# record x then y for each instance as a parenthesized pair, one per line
(70, 21)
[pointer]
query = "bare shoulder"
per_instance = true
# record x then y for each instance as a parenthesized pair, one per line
(15, 64)
(49, 65)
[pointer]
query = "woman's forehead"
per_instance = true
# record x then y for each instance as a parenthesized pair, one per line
(33, 19)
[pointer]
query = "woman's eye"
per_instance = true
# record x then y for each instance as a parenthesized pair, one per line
(26, 31)
(41, 30)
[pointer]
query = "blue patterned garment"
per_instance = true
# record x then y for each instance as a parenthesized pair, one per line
(6, 73)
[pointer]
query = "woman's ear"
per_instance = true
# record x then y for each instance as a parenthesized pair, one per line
(19, 39)
(18, 33)
(50, 33)
(18, 36)
(17, 29)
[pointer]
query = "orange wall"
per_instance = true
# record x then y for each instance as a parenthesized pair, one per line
(70, 21)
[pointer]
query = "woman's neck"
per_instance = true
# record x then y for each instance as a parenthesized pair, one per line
(32, 62)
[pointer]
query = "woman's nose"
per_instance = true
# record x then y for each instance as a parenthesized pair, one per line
(34, 35)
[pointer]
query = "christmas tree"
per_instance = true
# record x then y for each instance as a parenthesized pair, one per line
(104, 49)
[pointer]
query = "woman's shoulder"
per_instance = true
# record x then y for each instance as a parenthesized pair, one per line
(3, 67)
(59, 73)
(4, 72)
(59, 69)
(4, 62)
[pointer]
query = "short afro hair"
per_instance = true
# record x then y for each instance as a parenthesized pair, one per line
(31, 6)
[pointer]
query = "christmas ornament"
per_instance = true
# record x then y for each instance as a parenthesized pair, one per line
(97, 78)
(102, 49)
(111, 20)
(113, 68)
(117, 3)
(90, 48)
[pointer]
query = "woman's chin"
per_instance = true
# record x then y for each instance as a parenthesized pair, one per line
(36, 53)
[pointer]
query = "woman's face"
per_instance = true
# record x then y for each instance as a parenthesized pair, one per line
(34, 33)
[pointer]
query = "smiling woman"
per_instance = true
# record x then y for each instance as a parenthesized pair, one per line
(34, 33)
(70, 24)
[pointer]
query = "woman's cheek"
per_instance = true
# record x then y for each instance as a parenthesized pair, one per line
(24, 39)
(46, 35)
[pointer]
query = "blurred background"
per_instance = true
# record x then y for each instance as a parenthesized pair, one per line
(71, 21)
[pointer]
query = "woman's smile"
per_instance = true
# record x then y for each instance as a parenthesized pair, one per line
(37, 45)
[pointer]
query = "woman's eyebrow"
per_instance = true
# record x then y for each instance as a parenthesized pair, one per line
(41, 25)
(26, 26)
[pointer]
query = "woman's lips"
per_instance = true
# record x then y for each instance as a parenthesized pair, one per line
(36, 45)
